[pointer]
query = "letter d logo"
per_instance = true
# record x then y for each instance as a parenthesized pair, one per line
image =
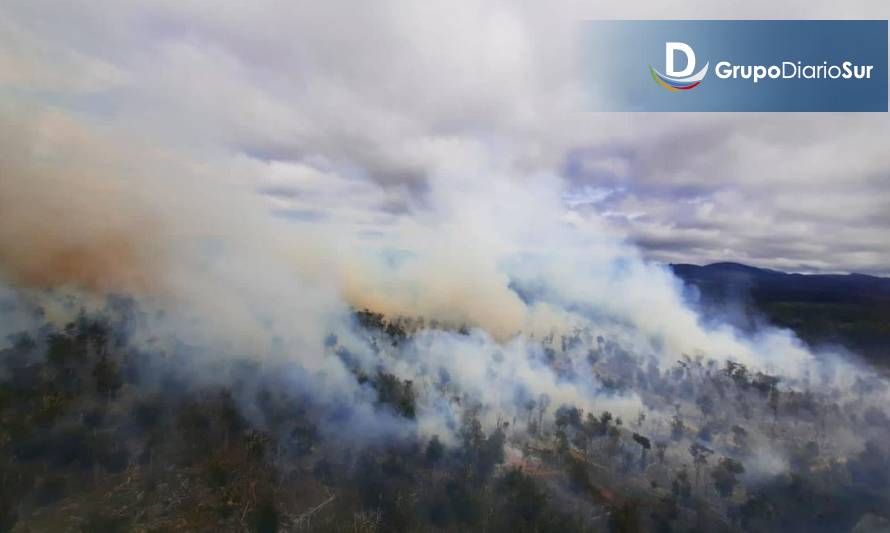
(669, 50)
(682, 80)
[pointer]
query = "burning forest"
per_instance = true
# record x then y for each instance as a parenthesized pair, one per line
(570, 431)
(256, 275)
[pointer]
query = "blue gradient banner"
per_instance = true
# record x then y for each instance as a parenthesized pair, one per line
(735, 65)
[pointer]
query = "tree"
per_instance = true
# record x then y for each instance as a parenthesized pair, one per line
(63, 352)
(677, 427)
(543, 404)
(605, 418)
(530, 407)
(737, 372)
(396, 393)
(680, 486)
(491, 453)
(774, 403)
(525, 502)
(471, 433)
(706, 405)
(232, 421)
(739, 438)
(871, 468)
(562, 443)
(107, 376)
(370, 320)
(700, 456)
(266, 517)
(614, 444)
(434, 452)
(660, 449)
(23, 342)
(568, 416)
(725, 475)
(645, 445)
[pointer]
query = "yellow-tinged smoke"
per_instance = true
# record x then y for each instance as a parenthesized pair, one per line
(68, 215)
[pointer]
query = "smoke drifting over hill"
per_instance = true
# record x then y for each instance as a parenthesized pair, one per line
(497, 254)
(491, 252)
(354, 277)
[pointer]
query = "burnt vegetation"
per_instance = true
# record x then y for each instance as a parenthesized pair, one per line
(98, 435)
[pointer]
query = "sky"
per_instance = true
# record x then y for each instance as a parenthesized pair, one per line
(369, 116)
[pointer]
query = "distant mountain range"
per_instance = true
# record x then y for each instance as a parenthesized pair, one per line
(848, 309)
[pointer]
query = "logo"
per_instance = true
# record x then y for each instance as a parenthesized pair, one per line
(749, 65)
(682, 80)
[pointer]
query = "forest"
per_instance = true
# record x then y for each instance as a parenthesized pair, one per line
(100, 434)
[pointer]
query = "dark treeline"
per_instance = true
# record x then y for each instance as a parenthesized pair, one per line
(96, 435)
(91, 443)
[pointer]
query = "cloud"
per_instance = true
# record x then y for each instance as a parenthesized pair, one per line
(799, 192)
(379, 101)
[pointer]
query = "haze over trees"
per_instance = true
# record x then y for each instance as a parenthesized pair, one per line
(98, 434)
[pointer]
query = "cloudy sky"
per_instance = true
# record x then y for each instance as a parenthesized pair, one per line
(355, 113)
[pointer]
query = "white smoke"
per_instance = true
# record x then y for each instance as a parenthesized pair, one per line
(251, 192)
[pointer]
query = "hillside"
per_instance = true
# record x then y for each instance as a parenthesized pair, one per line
(100, 435)
(852, 310)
